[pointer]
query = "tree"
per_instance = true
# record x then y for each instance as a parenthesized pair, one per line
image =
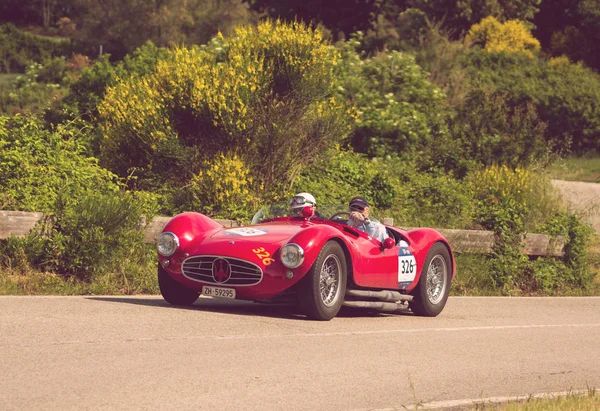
(459, 15)
(339, 16)
(109, 23)
(572, 28)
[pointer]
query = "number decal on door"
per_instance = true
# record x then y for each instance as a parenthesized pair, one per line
(407, 266)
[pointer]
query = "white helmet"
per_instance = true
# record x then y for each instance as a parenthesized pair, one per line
(301, 200)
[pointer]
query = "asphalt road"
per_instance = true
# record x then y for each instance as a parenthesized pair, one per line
(77, 353)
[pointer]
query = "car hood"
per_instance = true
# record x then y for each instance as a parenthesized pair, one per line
(272, 233)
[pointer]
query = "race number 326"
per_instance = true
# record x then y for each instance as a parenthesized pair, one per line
(264, 256)
(407, 266)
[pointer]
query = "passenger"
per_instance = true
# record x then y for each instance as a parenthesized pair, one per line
(301, 200)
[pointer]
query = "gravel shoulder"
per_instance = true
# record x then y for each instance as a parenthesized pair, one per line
(581, 198)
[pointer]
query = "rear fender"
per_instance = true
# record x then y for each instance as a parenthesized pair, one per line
(422, 239)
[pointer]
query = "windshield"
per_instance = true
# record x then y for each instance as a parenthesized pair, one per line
(283, 210)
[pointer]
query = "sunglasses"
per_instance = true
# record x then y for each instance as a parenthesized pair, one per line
(298, 201)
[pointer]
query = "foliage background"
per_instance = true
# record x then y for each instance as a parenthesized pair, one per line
(440, 118)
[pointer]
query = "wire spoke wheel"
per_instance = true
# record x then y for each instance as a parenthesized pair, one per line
(437, 275)
(329, 280)
(431, 293)
(323, 288)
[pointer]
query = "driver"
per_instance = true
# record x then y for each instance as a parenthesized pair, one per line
(359, 214)
(301, 200)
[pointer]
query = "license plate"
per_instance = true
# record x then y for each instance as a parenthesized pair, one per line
(218, 292)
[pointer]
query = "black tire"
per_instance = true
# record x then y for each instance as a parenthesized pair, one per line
(316, 306)
(173, 292)
(429, 299)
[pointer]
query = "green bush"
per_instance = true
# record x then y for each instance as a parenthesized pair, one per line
(343, 174)
(576, 235)
(92, 227)
(53, 71)
(87, 91)
(37, 165)
(40, 88)
(429, 200)
(564, 94)
(393, 186)
(19, 49)
(397, 110)
(491, 131)
(90, 235)
(514, 202)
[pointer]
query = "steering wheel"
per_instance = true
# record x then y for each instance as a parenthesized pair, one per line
(347, 214)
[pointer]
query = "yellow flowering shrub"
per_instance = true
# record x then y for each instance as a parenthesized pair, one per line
(494, 36)
(561, 60)
(265, 92)
(498, 182)
(222, 187)
(523, 196)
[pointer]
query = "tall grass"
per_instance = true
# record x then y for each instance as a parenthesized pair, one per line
(576, 169)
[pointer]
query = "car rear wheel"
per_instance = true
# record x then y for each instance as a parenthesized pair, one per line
(325, 284)
(431, 293)
(173, 292)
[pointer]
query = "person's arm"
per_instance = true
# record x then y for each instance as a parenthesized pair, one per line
(377, 230)
(357, 219)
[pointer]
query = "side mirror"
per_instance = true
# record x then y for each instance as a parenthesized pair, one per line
(307, 212)
(388, 243)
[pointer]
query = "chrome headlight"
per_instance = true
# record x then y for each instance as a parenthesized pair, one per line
(292, 255)
(167, 243)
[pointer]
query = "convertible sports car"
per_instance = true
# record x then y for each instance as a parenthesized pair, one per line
(323, 263)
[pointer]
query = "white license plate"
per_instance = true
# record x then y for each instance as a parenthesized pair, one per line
(218, 292)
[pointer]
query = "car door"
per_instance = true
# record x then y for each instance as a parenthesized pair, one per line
(377, 267)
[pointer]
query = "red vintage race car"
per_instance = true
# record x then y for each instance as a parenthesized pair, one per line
(323, 263)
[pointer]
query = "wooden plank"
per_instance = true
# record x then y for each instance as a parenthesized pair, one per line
(536, 244)
(18, 223)
(543, 245)
(227, 223)
(154, 228)
(482, 242)
(465, 241)
(469, 241)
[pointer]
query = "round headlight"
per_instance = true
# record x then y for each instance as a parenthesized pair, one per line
(167, 243)
(292, 255)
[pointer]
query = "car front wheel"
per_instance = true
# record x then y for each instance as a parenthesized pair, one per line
(325, 283)
(431, 293)
(173, 292)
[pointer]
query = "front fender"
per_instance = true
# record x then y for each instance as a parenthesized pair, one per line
(191, 228)
(312, 239)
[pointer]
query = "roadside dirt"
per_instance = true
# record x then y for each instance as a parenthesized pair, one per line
(581, 198)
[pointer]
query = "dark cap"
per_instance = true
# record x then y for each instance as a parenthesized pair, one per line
(359, 203)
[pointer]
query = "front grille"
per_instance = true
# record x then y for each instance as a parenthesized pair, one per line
(199, 268)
